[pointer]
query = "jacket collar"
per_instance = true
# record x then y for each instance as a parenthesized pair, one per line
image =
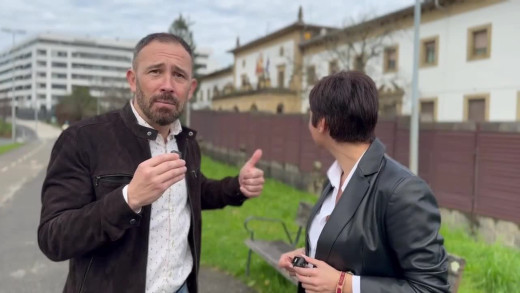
(355, 191)
(369, 164)
(146, 132)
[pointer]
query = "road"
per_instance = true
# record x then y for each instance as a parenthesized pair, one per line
(23, 268)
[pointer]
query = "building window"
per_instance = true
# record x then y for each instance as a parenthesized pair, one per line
(279, 109)
(244, 80)
(476, 107)
(59, 54)
(244, 63)
(253, 108)
(428, 110)
(42, 52)
(390, 59)
(281, 51)
(59, 65)
(59, 75)
(281, 76)
(208, 94)
(42, 85)
(333, 67)
(42, 63)
(429, 51)
(42, 74)
(479, 42)
(59, 86)
(311, 75)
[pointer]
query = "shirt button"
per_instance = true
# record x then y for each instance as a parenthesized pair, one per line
(149, 133)
(133, 221)
(190, 133)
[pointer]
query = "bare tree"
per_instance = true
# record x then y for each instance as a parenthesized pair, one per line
(357, 44)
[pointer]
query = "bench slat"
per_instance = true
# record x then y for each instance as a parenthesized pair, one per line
(271, 251)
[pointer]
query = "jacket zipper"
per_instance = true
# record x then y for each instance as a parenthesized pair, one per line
(111, 178)
(85, 275)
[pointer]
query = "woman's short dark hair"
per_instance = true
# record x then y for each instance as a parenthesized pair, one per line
(348, 100)
(163, 38)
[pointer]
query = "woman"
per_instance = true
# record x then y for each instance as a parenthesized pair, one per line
(375, 227)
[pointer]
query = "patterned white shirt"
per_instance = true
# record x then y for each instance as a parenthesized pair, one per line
(169, 254)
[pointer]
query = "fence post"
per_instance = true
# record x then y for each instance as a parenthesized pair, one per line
(474, 192)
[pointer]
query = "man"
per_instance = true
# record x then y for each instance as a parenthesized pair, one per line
(123, 194)
(376, 225)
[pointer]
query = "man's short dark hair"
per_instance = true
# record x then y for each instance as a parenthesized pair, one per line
(349, 103)
(163, 38)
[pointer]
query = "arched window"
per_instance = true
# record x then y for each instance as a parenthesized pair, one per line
(254, 108)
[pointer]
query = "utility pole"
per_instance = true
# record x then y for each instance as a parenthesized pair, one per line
(414, 119)
(13, 32)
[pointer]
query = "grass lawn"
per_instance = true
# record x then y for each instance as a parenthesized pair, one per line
(489, 268)
(5, 129)
(8, 147)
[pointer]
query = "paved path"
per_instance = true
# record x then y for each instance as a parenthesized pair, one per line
(23, 268)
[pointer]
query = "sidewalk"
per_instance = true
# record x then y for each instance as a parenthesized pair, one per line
(42, 129)
(214, 281)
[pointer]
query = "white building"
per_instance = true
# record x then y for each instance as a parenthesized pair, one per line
(47, 67)
(204, 60)
(469, 61)
(213, 85)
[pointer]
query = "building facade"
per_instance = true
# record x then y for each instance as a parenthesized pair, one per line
(215, 84)
(467, 71)
(264, 75)
(468, 60)
(47, 67)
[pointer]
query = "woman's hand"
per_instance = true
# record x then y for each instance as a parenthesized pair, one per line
(322, 278)
(285, 261)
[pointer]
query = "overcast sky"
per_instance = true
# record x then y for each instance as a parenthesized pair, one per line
(216, 23)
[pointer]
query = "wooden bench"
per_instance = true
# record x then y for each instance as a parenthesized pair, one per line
(271, 251)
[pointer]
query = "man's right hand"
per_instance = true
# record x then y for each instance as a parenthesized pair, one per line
(285, 261)
(153, 177)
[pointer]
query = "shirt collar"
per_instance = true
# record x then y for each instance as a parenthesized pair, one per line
(175, 127)
(335, 171)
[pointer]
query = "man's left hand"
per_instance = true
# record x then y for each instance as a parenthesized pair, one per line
(251, 178)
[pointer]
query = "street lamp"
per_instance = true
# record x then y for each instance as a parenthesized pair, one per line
(414, 118)
(13, 32)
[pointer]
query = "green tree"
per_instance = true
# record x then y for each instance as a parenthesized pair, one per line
(76, 106)
(181, 27)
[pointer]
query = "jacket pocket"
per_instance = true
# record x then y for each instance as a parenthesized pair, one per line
(107, 183)
(112, 179)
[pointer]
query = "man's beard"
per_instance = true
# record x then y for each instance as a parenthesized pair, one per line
(161, 116)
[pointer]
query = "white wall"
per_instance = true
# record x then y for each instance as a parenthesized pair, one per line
(202, 99)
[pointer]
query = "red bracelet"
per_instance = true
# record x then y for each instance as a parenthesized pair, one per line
(339, 287)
